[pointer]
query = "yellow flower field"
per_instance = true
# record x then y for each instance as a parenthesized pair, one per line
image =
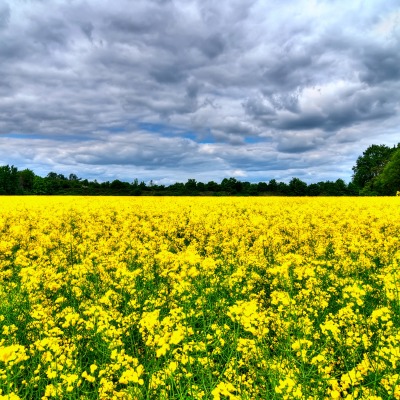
(199, 298)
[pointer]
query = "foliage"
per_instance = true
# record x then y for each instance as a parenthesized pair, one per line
(297, 187)
(371, 164)
(200, 298)
(9, 180)
(388, 182)
(26, 182)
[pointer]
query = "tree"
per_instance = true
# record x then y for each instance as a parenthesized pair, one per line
(9, 182)
(371, 164)
(26, 180)
(54, 182)
(231, 185)
(352, 189)
(282, 189)
(177, 188)
(297, 187)
(191, 186)
(388, 182)
(52, 175)
(314, 189)
(249, 189)
(135, 183)
(73, 177)
(201, 187)
(212, 186)
(41, 185)
(273, 186)
(262, 187)
(340, 187)
(118, 185)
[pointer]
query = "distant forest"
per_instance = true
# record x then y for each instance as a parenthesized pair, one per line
(376, 173)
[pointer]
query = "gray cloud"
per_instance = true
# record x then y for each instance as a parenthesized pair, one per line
(381, 64)
(4, 16)
(250, 87)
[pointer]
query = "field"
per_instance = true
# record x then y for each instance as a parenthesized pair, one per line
(199, 298)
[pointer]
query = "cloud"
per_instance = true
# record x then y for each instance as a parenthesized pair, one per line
(249, 87)
(381, 65)
(4, 16)
(329, 107)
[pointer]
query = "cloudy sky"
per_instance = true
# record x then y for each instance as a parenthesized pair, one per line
(175, 89)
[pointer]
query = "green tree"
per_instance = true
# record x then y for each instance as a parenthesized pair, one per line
(26, 180)
(340, 187)
(117, 184)
(212, 186)
(273, 186)
(231, 186)
(388, 182)
(191, 186)
(177, 188)
(73, 177)
(54, 182)
(314, 189)
(262, 187)
(41, 185)
(201, 187)
(297, 187)
(9, 182)
(282, 189)
(371, 164)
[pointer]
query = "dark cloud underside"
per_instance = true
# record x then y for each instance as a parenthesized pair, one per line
(246, 88)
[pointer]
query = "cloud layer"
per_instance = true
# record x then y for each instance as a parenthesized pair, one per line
(176, 89)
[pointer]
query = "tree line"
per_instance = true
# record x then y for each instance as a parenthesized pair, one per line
(376, 172)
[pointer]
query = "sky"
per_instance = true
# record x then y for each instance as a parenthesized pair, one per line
(168, 90)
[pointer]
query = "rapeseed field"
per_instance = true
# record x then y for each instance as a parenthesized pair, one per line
(199, 298)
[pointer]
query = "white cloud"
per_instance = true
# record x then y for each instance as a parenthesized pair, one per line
(176, 89)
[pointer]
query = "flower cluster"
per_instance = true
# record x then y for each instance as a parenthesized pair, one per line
(200, 298)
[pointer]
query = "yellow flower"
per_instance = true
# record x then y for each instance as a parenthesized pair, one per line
(10, 396)
(13, 354)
